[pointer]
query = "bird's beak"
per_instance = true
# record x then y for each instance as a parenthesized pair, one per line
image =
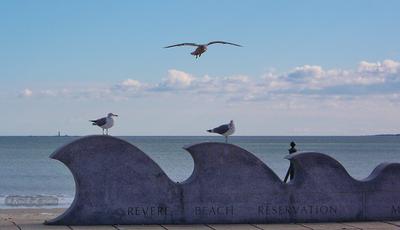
(115, 115)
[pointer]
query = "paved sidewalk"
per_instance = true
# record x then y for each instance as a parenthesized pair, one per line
(32, 219)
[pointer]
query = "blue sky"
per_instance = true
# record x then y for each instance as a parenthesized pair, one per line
(305, 68)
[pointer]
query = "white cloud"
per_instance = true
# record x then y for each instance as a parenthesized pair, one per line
(310, 77)
(305, 73)
(378, 78)
(26, 93)
(387, 66)
(176, 80)
(131, 83)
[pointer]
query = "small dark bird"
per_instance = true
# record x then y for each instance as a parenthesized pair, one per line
(224, 130)
(105, 123)
(201, 48)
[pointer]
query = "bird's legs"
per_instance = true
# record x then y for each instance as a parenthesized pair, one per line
(107, 132)
(103, 131)
(226, 139)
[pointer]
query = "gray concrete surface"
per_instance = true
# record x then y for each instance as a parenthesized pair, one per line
(32, 219)
(116, 183)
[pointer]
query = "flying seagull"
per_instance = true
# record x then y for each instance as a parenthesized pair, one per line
(201, 48)
(105, 123)
(224, 130)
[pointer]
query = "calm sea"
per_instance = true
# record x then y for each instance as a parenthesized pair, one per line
(26, 170)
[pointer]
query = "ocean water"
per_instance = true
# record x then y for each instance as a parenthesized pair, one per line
(27, 171)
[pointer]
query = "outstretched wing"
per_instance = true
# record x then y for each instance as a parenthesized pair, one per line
(222, 42)
(182, 44)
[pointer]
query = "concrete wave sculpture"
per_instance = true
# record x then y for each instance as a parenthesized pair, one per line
(117, 183)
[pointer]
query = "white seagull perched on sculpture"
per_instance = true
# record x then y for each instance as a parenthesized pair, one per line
(224, 130)
(105, 123)
(201, 48)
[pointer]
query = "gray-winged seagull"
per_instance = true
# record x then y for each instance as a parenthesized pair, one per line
(105, 123)
(224, 130)
(201, 48)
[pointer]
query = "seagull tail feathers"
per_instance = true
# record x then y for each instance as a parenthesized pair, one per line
(210, 130)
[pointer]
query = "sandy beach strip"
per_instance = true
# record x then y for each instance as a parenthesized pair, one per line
(33, 219)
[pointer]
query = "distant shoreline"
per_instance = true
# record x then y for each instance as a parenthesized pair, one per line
(398, 134)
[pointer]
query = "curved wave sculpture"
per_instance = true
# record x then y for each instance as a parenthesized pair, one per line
(117, 183)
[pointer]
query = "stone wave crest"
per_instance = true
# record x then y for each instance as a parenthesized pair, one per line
(117, 183)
